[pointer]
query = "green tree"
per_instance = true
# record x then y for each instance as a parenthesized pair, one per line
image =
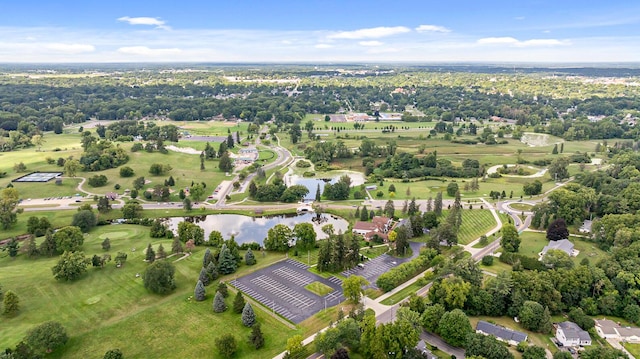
(454, 327)
(305, 236)
(556, 258)
(176, 246)
(486, 346)
(85, 220)
(534, 352)
(598, 352)
(431, 316)
(30, 248)
(132, 209)
(533, 316)
(352, 287)
(159, 277)
(278, 238)
(510, 240)
(46, 338)
(199, 292)
(452, 188)
(196, 192)
(227, 262)
(248, 316)
(113, 354)
(150, 254)
(558, 169)
(294, 346)
(238, 303)
(12, 247)
(126, 171)
(10, 303)
(437, 204)
(215, 239)
(225, 164)
(71, 167)
(70, 266)
(48, 247)
(249, 258)
(8, 207)
(256, 338)
(219, 305)
(139, 183)
(226, 345)
(222, 288)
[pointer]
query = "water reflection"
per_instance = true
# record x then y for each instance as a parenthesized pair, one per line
(312, 184)
(254, 229)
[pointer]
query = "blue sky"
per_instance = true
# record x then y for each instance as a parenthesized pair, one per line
(320, 31)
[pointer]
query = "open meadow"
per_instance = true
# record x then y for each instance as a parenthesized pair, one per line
(110, 308)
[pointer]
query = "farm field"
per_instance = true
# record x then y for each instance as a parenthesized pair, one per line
(112, 303)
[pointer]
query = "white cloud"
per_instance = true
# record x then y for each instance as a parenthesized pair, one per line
(371, 43)
(497, 40)
(519, 18)
(151, 21)
(371, 33)
(146, 51)
(323, 46)
(432, 28)
(517, 43)
(70, 48)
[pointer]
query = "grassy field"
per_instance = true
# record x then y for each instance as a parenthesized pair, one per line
(533, 242)
(474, 224)
(112, 303)
(319, 288)
(634, 349)
(404, 293)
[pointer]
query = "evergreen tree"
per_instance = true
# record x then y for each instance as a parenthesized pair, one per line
(212, 272)
(30, 247)
(151, 254)
(318, 193)
(555, 149)
(202, 168)
(113, 354)
(12, 247)
(219, 305)
(221, 150)
(222, 288)
(357, 213)
(199, 293)
(176, 245)
(206, 258)
(11, 303)
(253, 189)
(249, 258)
(437, 204)
(248, 316)
(106, 244)
(227, 262)
(364, 214)
(181, 194)
(238, 137)
(161, 253)
(430, 204)
(230, 143)
(204, 277)
(171, 182)
(413, 208)
(256, 338)
(238, 303)
(405, 207)
(225, 163)
(389, 209)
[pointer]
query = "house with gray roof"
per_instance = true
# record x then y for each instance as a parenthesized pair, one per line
(564, 245)
(506, 335)
(571, 335)
(609, 329)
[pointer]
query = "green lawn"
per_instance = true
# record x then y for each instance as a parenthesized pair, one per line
(474, 224)
(374, 252)
(634, 349)
(112, 303)
(318, 288)
(533, 242)
(404, 293)
(521, 206)
(497, 267)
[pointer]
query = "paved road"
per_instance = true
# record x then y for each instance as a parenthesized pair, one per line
(442, 345)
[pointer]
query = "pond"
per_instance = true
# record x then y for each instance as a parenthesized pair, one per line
(312, 184)
(254, 229)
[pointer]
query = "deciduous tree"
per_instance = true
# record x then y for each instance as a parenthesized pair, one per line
(70, 266)
(159, 277)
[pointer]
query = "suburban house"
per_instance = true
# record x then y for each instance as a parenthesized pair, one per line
(571, 335)
(586, 226)
(564, 245)
(506, 335)
(609, 329)
(378, 226)
(426, 353)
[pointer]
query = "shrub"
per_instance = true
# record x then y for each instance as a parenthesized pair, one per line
(487, 260)
(97, 181)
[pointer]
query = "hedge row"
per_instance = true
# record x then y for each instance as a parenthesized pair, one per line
(528, 263)
(405, 271)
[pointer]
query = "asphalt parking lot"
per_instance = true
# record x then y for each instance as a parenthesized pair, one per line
(280, 287)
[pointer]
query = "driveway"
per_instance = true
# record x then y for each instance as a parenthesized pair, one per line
(442, 345)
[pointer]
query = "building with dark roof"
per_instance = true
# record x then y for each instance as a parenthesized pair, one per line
(571, 335)
(510, 336)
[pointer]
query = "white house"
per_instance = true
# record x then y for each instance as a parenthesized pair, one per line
(609, 329)
(564, 245)
(571, 335)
